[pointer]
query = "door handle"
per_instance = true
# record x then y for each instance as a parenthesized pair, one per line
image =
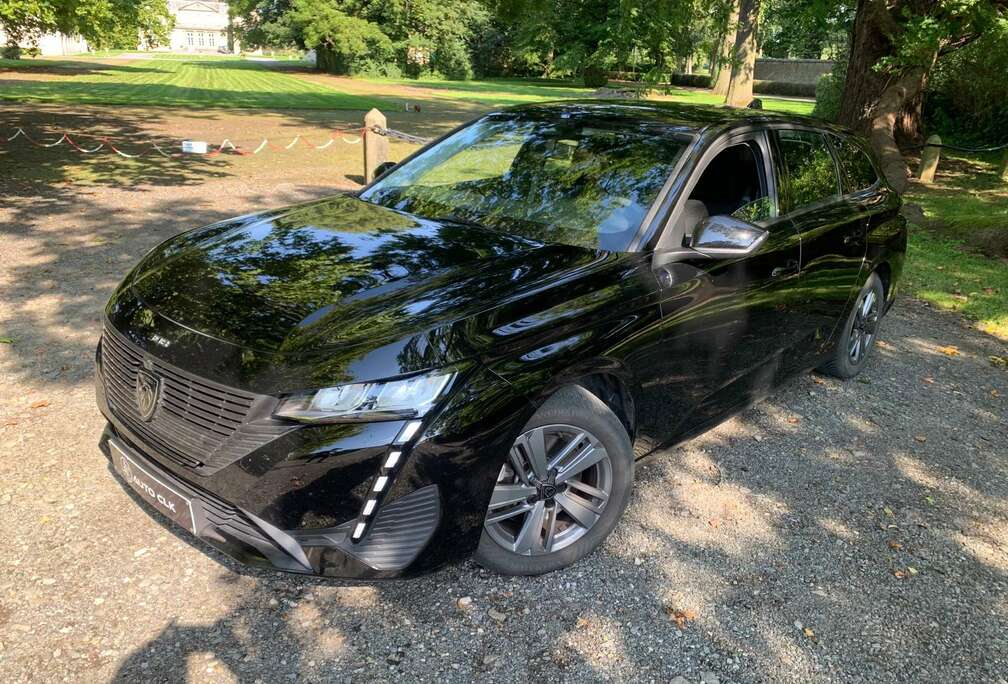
(790, 268)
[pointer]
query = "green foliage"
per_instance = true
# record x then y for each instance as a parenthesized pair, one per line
(966, 96)
(595, 76)
(345, 44)
(937, 26)
(691, 80)
(103, 23)
(806, 29)
(829, 91)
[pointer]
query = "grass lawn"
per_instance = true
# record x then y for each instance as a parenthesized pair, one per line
(173, 82)
(958, 255)
(224, 81)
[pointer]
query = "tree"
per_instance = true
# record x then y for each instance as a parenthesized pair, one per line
(726, 53)
(740, 87)
(895, 44)
(345, 44)
(103, 23)
(805, 29)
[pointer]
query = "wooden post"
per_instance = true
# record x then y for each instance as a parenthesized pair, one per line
(929, 160)
(376, 147)
(1004, 167)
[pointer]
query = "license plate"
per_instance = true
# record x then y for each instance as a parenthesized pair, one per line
(162, 497)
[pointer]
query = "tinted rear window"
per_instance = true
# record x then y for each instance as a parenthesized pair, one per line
(856, 169)
(808, 174)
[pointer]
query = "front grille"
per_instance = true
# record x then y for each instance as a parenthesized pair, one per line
(198, 424)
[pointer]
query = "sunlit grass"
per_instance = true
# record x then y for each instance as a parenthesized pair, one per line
(957, 256)
(173, 82)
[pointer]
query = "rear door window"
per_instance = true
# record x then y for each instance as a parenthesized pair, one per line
(808, 173)
(856, 169)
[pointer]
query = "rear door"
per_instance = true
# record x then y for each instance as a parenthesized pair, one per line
(832, 232)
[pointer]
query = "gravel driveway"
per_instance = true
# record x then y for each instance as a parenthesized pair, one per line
(838, 531)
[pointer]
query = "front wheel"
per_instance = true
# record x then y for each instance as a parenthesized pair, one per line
(859, 332)
(561, 492)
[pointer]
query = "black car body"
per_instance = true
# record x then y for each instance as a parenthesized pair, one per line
(213, 328)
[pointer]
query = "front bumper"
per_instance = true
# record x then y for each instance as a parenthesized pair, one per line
(397, 536)
(293, 503)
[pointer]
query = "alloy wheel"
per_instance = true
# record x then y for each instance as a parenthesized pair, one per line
(551, 492)
(865, 326)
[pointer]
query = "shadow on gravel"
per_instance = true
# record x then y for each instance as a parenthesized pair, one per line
(837, 531)
(851, 531)
(75, 253)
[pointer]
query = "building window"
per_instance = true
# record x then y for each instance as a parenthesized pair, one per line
(201, 38)
(213, 39)
(189, 37)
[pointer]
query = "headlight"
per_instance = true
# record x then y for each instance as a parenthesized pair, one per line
(396, 400)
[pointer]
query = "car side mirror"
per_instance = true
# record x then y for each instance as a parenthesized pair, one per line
(383, 168)
(726, 237)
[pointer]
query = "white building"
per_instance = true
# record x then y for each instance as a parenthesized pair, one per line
(200, 26)
(53, 44)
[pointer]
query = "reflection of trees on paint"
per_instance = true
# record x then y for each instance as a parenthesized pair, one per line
(811, 174)
(339, 278)
(577, 181)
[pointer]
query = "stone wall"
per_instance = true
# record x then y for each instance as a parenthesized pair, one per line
(791, 70)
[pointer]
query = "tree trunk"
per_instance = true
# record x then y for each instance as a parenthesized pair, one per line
(740, 88)
(724, 58)
(882, 105)
(885, 115)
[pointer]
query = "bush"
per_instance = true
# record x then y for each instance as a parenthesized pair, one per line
(379, 70)
(344, 44)
(11, 52)
(691, 80)
(785, 88)
(595, 76)
(451, 58)
(965, 100)
(829, 91)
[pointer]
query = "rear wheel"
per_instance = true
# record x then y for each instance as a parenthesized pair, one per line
(859, 333)
(562, 490)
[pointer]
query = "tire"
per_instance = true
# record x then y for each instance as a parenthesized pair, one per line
(859, 333)
(559, 541)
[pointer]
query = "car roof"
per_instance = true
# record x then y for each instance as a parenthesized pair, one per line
(674, 115)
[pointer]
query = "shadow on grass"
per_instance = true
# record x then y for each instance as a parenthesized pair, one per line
(145, 93)
(70, 67)
(958, 257)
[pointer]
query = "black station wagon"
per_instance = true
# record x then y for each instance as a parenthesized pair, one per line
(467, 357)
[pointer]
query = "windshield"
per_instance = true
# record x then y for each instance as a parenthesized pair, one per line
(577, 181)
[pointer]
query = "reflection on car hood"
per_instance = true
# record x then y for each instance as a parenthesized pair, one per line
(343, 272)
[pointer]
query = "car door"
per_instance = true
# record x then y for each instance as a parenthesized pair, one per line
(832, 232)
(726, 322)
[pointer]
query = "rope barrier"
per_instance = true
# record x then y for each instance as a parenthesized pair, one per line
(959, 148)
(352, 136)
(399, 135)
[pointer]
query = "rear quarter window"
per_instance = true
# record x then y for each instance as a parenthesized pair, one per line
(857, 172)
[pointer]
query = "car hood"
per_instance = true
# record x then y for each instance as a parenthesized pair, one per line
(349, 274)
